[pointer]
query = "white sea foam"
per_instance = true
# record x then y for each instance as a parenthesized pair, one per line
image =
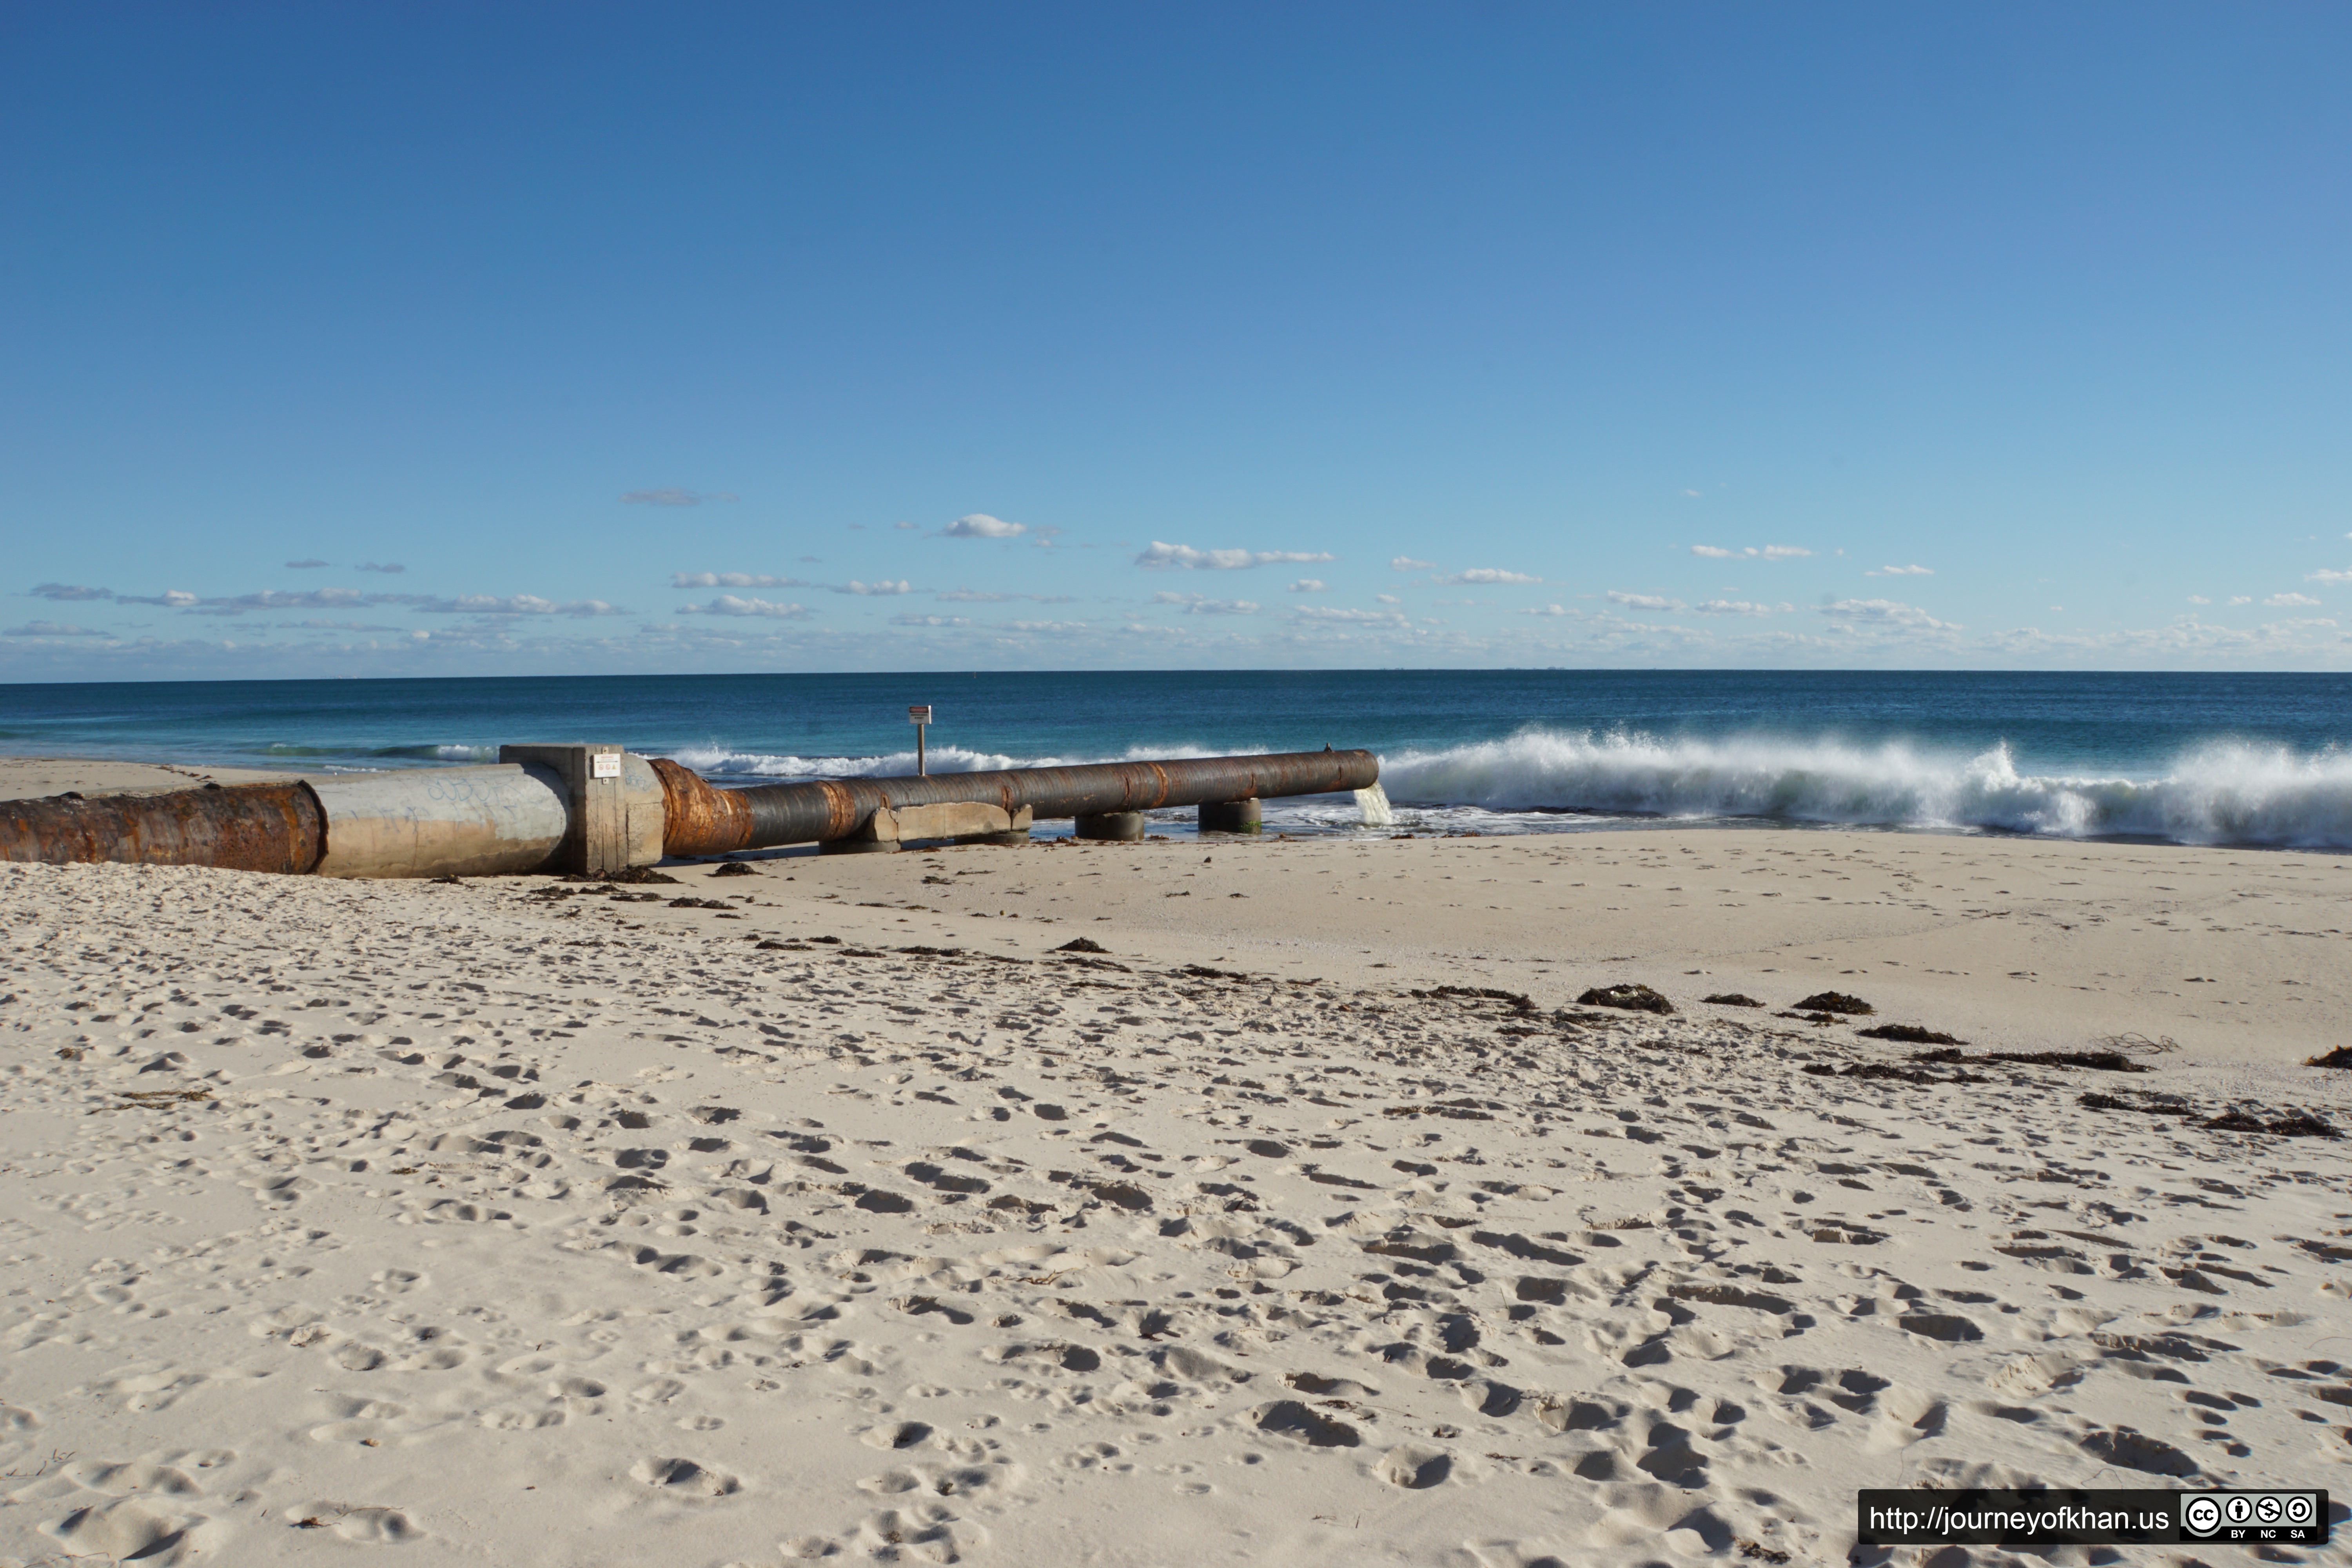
(718, 762)
(2222, 794)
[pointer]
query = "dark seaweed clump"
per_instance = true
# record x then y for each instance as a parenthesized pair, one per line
(1633, 998)
(2294, 1124)
(2146, 1104)
(2096, 1062)
(2341, 1056)
(1835, 1002)
(1732, 999)
(1891, 1073)
(1910, 1034)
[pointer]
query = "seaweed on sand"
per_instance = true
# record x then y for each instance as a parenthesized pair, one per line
(1633, 998)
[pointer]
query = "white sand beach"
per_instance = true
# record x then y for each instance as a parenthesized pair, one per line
(521, 1222)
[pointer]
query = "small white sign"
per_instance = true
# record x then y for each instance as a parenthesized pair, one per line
(604, 764)
(921, 715)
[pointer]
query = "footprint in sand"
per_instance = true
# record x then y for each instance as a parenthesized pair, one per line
(1415, 1466)
(685, 1478)
(136, 1528)
(121, 1481)
(924, 1532)
(364, 1526)
(894, 1435)
(1292, 1419)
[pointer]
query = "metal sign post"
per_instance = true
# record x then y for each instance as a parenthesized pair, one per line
(919, 716)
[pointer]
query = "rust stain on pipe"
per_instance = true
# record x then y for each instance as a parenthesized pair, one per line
(701, 820)
(241, 827)
(707, 821)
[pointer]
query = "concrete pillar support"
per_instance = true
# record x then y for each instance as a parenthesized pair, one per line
(1118, 827)
(1232, 817)
(614, 801)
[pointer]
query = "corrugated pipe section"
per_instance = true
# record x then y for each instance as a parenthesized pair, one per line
(707, 821)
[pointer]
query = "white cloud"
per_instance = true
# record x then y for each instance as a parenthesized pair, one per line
(1886, 613)
(1325, 614)
(1713, 552)
(1407, 563)
(2327, 578)
(731, 580)
(2291, 602)
(271, 599)
(514, 604)
(1645, 600)
(1769, 553)
(393, 567)
(1310, 585)
(1738, 607)
(1484, 577)
(1547, 610)
(62, 592)
(870, 590)
(728, 605)
(2199, 599)
(2241, 598)
(914, 620)
(906, 526)
(1693, 494)
(974, 596)
(1047, 625)
(1902, 572)
(1388, 598)
(979, 525)
(303, 565)
(1197, 605)
(671, 496)
(1164, 557)
(52, 629)
(1784, 552)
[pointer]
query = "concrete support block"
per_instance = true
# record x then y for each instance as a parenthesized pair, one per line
(614, 800)
(1232, 817)
(955, 821)
(950, 819)
(1015, 832)
(1116, 826)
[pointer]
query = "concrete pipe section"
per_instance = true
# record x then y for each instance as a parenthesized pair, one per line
(590, 809)
(596, 810)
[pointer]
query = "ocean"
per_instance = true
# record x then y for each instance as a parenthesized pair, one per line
(2256, 760)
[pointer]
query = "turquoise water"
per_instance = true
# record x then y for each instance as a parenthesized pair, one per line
(2254, 759)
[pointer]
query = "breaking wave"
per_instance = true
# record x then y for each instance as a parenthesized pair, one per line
(443, 752)
(716, 762)
(1542, 780)
(2218, 793)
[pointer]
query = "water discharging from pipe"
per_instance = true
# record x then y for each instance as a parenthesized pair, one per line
(1373, 804)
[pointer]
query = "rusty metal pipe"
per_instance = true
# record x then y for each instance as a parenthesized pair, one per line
(704, 820)
(240, 827)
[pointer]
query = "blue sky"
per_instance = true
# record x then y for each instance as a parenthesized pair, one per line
(442, 339)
